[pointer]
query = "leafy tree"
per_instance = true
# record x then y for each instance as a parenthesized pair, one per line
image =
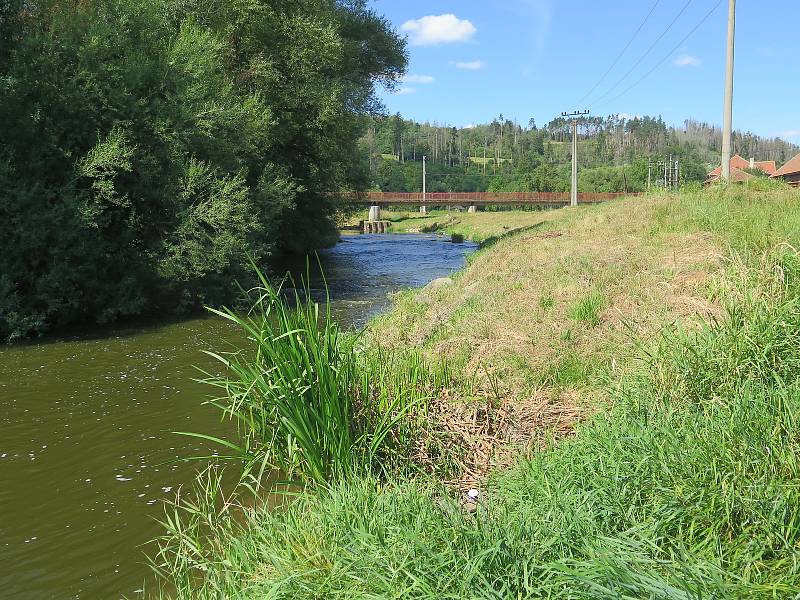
(149, 146)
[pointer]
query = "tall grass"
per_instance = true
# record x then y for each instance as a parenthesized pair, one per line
(687, 489)
(309, 401)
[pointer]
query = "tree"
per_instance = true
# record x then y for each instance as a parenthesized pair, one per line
(150, 146)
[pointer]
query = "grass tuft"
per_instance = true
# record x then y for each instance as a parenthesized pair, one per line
(587, 310)
(309, 400)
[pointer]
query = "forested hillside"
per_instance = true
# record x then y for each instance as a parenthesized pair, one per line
(613, 153)
(148, 146)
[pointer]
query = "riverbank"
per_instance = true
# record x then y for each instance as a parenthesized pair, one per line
(625, 394)
(481, 227)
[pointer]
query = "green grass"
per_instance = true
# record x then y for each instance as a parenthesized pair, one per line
(309, 401)
(477, 227)
(587, 310)
(683, 486)
(687, 488)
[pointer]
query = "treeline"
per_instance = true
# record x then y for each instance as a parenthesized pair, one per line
(149, 146)
(616, 154)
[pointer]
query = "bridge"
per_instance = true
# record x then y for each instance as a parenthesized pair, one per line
(377, 200)
(475, 198)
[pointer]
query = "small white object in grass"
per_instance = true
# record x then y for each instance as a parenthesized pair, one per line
(473, 494)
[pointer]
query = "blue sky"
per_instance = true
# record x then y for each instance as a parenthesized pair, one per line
(471, 60)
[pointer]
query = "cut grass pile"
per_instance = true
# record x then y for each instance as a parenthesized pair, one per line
(678, 319)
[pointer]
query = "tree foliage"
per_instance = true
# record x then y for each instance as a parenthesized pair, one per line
(148, 146)
(502, 156)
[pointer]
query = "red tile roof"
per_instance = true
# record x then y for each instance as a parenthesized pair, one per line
(737, 162)
(737, 176)
(791, 167)
(768, 166)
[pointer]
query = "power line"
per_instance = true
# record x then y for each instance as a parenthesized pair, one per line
(667, 56)
(616, 60)
(645, 55)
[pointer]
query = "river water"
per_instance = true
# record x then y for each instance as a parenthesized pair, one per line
(86, 453)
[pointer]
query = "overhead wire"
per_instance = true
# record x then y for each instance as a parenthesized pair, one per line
(616, 60)
(645, 55)
(666, 56)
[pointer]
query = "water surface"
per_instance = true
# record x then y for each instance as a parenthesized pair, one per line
(86, 453)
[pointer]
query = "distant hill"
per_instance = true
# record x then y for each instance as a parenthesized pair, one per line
(613, 153)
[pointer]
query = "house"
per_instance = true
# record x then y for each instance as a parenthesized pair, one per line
(790, 172)
(738, 166)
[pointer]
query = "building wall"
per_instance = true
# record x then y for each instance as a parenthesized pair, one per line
(792, 179)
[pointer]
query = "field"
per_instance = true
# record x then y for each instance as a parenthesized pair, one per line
(623, 390)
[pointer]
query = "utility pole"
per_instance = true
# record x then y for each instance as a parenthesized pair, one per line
(424, 208)
(727, 116)
(649, 173)
(573, 199)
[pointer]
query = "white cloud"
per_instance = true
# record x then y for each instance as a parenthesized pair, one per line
(418, 79)
(404, 91)
(438, 29)
(687, 60)
(470, 126)
(791, 133)
(472, 65)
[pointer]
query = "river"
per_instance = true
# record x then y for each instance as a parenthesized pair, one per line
(86, 453)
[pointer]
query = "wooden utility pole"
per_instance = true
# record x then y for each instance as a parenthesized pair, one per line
(727, 116)
(573, 198)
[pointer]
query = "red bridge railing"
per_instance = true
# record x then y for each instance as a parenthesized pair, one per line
(476, 197)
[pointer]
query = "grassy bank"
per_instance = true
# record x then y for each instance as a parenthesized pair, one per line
(625, 390)
(476, 227)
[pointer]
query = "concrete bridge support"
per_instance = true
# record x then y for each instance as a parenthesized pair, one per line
(376, 226)
(472, 209)
(423, 210)
(374, 213)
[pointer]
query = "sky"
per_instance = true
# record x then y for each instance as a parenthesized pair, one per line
(472, 60)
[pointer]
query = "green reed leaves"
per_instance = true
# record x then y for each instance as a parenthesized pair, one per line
(308, 399)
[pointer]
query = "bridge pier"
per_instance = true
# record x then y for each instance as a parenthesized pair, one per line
(472, 208)
(374, 213)
(423, 210)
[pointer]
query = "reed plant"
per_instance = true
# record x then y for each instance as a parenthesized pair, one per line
(310, 401)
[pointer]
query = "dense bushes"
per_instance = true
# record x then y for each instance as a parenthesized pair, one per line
(147, 147)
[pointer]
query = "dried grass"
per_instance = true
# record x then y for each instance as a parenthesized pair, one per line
(487, 434)
(492, 320)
